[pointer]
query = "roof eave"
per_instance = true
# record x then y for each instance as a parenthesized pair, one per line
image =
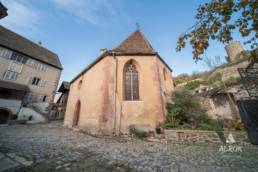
(111, 52)
(163, 61)
(55, 66)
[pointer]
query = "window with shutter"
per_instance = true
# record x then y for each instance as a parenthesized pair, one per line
(34, 81)
(10, 75)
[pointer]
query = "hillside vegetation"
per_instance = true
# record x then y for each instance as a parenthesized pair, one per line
(212, 77)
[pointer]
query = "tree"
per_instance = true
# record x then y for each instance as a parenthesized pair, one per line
(213, 63)
(217, 20)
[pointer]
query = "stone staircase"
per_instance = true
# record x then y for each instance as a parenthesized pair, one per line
(36, 109)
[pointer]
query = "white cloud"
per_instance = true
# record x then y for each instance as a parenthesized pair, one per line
(21, 16)
(27, 17)
(92, 11)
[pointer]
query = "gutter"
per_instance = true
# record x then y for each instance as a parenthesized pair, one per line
(115, 90)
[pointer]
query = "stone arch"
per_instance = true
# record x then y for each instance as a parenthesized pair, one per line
(131, 80)
(76, 115)
(5, 115)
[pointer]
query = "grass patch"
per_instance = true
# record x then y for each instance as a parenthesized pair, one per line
(137, 133)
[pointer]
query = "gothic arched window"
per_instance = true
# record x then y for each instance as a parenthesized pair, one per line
(131, 81)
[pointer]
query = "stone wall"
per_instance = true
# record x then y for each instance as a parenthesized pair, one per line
(202, 136)
(231, 70)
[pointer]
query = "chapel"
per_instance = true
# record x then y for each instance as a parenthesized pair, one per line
(127, 85)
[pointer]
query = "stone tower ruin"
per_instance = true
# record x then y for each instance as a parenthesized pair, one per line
(233, 49)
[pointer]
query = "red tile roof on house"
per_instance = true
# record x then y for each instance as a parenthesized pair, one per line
(135, 43)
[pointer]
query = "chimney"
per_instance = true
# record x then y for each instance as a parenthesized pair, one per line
(102, 51)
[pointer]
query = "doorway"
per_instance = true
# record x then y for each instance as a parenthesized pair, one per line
(4, 116)
(76, 114)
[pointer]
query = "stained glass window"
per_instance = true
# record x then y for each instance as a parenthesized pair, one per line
(131, 81)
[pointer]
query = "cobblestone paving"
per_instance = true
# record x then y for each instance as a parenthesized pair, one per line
(51, 147)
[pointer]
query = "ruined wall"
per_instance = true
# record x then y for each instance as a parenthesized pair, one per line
(96, 97)
(233, 49)
(204, 136)
(219, 107)
(231, 71)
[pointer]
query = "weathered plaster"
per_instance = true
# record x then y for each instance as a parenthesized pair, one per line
(103, 109)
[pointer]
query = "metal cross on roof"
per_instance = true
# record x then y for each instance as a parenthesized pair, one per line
(137, 25)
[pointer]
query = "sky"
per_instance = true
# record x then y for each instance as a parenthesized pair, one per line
(77, 29)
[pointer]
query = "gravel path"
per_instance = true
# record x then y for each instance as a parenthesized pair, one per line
(51, 147)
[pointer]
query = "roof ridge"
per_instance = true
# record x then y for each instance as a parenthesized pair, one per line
(147, 41)
(28, 40)
(135, 43)
(19, 43)
(125, 39)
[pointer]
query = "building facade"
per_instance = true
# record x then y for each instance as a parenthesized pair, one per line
(126, 86)
(28, 64)
(59, 107)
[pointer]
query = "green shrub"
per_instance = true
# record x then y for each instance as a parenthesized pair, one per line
(191, 85)
(184, 111)
(231, 81)
(213, 79)
(210, 124)
(238, 125)
(137, 133)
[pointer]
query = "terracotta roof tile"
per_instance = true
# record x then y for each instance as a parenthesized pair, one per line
(135, 43)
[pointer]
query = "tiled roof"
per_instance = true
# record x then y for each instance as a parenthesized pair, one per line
(20, 44)
(65, 86)
(3, 11)
(135, 43)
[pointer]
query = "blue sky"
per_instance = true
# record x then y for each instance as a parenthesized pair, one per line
(77, 29)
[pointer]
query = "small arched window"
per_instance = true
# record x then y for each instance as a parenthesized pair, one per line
(80, 84)
(131, 81)
(164, 74)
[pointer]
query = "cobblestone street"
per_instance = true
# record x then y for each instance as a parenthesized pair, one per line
(51, 147)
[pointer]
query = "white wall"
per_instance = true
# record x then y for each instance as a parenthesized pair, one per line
(25, 113)
(12, 105)
(41, 106)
